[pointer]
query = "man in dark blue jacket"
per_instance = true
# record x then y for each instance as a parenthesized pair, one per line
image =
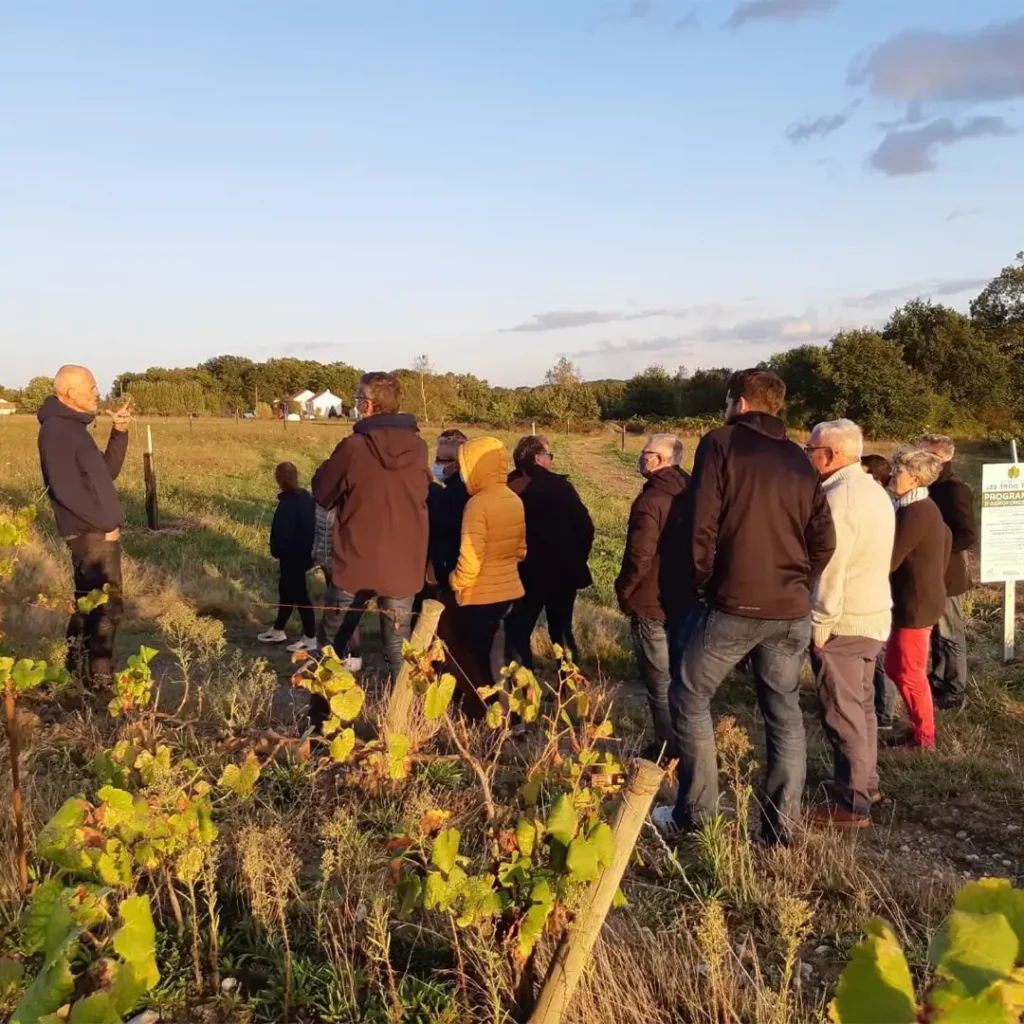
(80, 482)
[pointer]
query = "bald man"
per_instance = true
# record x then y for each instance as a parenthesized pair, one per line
(80, 482)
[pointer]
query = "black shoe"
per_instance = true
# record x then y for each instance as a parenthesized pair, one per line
(949, 702)
(886, 724)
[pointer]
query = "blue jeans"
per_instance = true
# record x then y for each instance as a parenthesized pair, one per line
(717, 643)
(340, 621)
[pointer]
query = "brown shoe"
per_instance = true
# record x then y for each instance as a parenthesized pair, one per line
(837, 793)
(837, 817)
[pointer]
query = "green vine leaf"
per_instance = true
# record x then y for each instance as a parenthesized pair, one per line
(11, 973)
(974, 951)
(562, 821)
(135, 941)
(445, 852)
(875, 985)
(994, 896)
(526, 836)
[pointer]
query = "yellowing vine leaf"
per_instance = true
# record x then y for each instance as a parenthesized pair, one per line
(439, 696)
(242, 779)
(398, 756)
(342, 746)
(876, 983)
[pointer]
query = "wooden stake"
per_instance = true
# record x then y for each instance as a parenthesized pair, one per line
(574, 950)
(399, 718)
(19, 816)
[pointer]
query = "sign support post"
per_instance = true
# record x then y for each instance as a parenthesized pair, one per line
(1010, 600)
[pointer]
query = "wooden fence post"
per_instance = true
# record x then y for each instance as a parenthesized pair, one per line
(400, 706)
(14, 749)
(623, 436)
(149, 472)
(575, 947)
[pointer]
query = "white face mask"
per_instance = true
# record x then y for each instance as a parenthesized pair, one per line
(439, 473)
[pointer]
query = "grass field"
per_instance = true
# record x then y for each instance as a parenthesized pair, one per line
(205, 585)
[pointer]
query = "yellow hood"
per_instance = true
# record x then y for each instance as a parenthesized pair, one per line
(483, 463)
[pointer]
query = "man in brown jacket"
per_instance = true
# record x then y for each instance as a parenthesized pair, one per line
(377, 479)
(761, 535)
(651, 586)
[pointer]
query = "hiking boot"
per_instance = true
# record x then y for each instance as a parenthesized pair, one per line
(907, 741)
(949, 702)
(835, 816)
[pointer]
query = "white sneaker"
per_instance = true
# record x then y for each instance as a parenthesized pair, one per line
(664, 819)
(273, 636)
(307, 643)
(352, 664)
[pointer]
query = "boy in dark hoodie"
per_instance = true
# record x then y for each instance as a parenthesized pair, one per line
(291, 543)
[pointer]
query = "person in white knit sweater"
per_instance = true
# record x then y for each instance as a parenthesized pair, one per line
(851, 613)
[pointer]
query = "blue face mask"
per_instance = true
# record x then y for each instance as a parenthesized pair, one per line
(439, 476)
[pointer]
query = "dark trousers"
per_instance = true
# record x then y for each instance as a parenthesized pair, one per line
(341, 620)
(292, 593)
(95, 563)
(477, 626)
(947, 673)
(885, 692)
(522, 621)
(717, 643)
(845, 669)
(658, 646)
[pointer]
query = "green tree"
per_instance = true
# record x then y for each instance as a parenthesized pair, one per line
(999, 312)
(35, 393)
(654, 392)
(505, 408)
(875, 388)
(608, 394)
(703, 394)
(810, 392)
(959, 360)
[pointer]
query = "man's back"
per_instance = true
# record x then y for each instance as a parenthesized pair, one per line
(762, 530)
(377, 478)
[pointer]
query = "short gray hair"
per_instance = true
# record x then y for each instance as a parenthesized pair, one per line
(668, 445)
(923, 466)
(942, 445)
(844, 437)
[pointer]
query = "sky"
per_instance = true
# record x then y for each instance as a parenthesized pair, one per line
(495, 183)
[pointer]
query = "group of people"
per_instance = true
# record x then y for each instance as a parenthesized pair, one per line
(764, 555)
(496, 548)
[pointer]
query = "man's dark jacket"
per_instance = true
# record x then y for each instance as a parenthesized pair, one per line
(956, 503)
(78, 476)
(291, 532)
(559, 533)
(445, 505)
(920, 556)
(652, 583)
(377, 478)
(762, 529)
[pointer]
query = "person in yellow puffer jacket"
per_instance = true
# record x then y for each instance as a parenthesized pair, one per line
(486, 578)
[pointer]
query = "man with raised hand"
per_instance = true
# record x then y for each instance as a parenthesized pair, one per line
(761, 534)
(79, 480)
(948, 669)
(851, 613)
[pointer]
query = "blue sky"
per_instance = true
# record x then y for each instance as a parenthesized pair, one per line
(495, 182)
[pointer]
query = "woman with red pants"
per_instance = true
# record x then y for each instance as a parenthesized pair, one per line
(918, 582)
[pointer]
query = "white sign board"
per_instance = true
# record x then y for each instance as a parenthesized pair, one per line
(1002, 522)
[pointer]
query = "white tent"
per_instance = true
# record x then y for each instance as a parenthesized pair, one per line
(324, 403)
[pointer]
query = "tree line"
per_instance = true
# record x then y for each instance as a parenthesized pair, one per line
(929, 366)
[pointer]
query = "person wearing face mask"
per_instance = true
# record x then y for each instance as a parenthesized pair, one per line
(446, 502)
(651, 586)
